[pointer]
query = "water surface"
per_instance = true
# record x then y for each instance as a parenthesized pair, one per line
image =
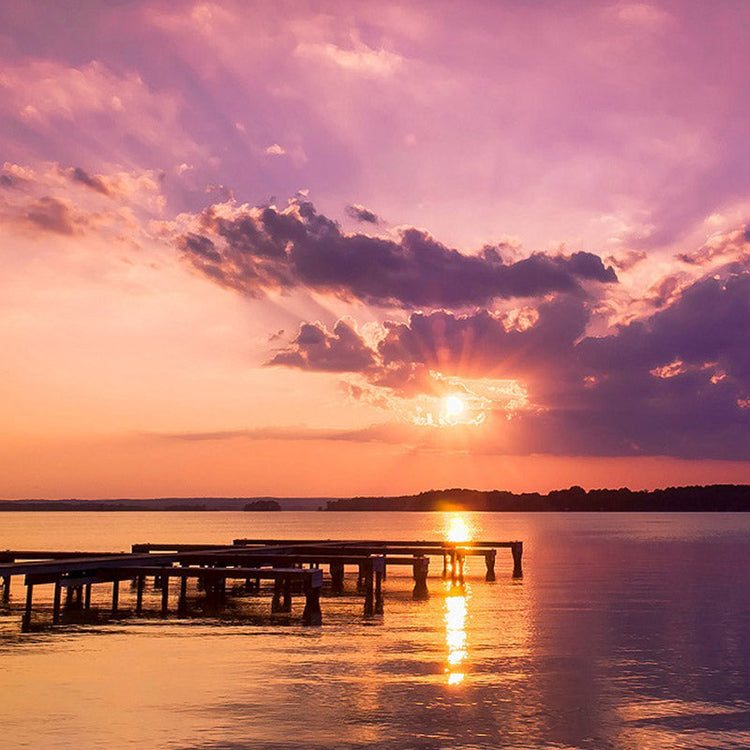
(627, 631)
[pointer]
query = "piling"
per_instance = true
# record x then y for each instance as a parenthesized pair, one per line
(421, 566)
(489, 561)
(517, 550)
(26, 621)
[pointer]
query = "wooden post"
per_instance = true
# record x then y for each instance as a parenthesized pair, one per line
(69, 597)
(87, 597)
(369, 591)
(6, 589)
(26, 621)
(445, 565)
(517, 550)
(379, 592)
(421, 566)
(460, 566)
(115, 595)
(489, 561)
(360, 578)
(182, 602)
(139, 594)
(312, 614)
(56, 602)
(164, 595)
(337, 577)
(276, 601)
(453, 566)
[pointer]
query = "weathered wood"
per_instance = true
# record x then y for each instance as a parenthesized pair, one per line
(280, 561)
(312, 614)
(140, 582)
(6, 589)
(517, 550)
(369, 591)
(379, 593)
(489, 561)
(56, 603)
(421, 566)
(165, 595)
(336, 570)
(26, 621)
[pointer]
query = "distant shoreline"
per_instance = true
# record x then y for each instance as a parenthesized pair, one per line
(703, 499)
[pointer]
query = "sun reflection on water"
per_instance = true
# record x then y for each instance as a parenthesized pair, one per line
(457, 529)
(455, 634)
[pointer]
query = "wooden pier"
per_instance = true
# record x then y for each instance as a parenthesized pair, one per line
(293, 566)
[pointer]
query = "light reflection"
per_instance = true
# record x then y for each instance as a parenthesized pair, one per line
(458, 530)
(455, 635)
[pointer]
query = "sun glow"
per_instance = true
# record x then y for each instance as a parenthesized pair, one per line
(458, 530)
(453, 406)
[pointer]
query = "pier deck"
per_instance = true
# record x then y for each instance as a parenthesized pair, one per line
(281, 561)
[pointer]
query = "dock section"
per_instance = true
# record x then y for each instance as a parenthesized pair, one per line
(293, 567)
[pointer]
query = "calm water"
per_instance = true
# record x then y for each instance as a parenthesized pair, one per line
(627, 631)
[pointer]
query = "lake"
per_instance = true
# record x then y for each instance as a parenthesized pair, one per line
(627, 631)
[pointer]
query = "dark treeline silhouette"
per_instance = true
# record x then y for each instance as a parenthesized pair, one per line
(717, 497)
(263, 505)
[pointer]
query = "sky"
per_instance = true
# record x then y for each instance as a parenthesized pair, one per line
(349, 248)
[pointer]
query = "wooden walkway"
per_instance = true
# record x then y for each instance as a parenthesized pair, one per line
(293, 566)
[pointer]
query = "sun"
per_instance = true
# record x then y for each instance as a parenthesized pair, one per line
(453, 406)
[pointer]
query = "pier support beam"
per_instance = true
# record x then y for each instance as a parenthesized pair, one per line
(276, 605)
(164, 596)
(115, 595)
(379, 592)
(369, 591)
(6, 589)
(26, 621)
(139, 594)
(489, 561)
(287, 588)
(517, 550)
(312, 614)
(182, 601)
(337, 577)
(421, 566)
(56, 602)
(87, 597)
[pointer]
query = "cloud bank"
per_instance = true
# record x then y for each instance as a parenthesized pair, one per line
(256, 250)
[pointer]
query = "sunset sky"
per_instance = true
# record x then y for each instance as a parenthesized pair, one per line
(373, 248)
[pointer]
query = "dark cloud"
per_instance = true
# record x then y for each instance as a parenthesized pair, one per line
(52, 215)
(675, 383)
(317, 349)
(360, 213)
(95, 182)
(627, 260)
(258, 250)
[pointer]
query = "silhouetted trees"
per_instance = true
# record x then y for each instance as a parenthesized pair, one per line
(717, 497)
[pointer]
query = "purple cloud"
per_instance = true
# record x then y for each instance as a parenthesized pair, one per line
(52, 215)
(315, 348)
(675, 383)
(255, 250)
(360, 213)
